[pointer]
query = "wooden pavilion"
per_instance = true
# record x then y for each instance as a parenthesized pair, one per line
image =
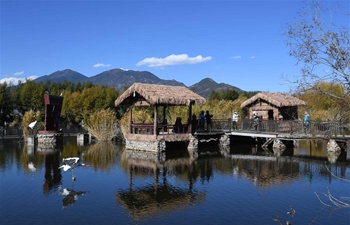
(156, 135)
(273, 106)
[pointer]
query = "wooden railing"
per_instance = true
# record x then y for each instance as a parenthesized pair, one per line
(283, 126)
(138, 128)
(272, 126)
(296, 127)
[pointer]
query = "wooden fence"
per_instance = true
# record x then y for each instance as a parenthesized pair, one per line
(294, 127)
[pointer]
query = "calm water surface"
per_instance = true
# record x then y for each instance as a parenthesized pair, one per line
(241, 185)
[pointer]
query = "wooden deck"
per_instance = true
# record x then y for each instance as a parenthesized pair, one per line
(290, 130)
(276, 129)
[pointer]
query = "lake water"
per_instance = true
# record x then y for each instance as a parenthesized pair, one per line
(241, 185)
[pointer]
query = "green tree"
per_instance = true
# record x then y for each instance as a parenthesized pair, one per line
(31, 96)
(72, 108)
(228, 94)
(97, 98)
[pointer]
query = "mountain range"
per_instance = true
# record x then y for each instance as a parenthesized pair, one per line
(120, 79)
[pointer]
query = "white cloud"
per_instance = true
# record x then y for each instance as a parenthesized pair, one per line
(172, 60)
(19, 73)
(97, 65)
(236, 57)
(14, 80)
(252, 57)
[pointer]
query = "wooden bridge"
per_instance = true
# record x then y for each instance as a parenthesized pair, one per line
(284, 132)
(285, 129)
(265, 131)
(282, 129)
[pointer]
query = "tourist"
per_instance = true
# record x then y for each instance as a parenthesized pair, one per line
(202, 120)
(194, 123)
(256, 121)
(235, 120)
(208, 119)
(178, 127)
(306, 122)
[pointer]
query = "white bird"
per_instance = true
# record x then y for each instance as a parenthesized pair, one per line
(80, 124)
(31, 167)
(32, 124)
(71, 163)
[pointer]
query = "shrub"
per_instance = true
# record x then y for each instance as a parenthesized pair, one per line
(103, 125)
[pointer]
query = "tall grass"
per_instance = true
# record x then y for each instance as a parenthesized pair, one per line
(103, 125)
(28, 117)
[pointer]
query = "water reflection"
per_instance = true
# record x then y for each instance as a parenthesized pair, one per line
(103, 155)
(318, 149)
(273, 166)
(145, 200)
(230, 183)
(161, 196)
(70, 196)
(52, 174)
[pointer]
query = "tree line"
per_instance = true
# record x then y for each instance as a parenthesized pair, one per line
(80, 99)
(83, 99)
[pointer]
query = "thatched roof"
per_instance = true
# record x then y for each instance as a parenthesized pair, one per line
(159, 95)
(277, 99)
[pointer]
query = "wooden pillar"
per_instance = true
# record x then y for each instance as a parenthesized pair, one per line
(155, 122)
(164, 107)
(130, 118)
(190, 118)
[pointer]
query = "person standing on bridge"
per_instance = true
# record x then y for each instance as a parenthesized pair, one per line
(208, 118)
(306, 122)
(235, 120)
(202, 120)
(256, 122)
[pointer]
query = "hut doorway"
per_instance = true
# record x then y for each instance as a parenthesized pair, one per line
(270, 114)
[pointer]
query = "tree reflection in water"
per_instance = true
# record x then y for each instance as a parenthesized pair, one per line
(103, 155)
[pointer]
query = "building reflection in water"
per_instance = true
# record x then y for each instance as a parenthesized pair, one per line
(265, 171)
(262, 169)
(280, 167)
(52, 174)
(162, 196)
(318, 149)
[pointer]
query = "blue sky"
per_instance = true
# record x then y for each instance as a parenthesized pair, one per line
(235, 42)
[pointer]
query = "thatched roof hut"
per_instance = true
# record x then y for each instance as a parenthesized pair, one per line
(155, 94)
(277, 99)
(149, 136)
(273, 105)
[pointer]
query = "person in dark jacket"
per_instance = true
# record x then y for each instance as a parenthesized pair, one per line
(208, 119)
(202, 120)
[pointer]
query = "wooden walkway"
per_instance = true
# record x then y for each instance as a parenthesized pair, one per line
(283, 130)
(286, 136)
